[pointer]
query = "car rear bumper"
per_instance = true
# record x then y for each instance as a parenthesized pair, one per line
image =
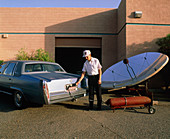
(65, 96)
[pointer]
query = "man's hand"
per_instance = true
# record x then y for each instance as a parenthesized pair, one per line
(99, 82)
(77, 83)
(81, 78)
(100, 76)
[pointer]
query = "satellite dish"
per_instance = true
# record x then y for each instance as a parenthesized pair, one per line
(133, 70)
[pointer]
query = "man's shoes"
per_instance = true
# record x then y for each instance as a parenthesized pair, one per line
(90, 106)
(99, 108)
(90, 109)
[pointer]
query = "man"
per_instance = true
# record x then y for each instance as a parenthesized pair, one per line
(93, 68)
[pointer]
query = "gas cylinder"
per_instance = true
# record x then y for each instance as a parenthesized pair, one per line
(128, 101)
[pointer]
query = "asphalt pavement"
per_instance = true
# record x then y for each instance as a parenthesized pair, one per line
(72, 120)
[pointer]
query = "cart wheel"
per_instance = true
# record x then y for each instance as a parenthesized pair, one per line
(151, 110)
(74, 99)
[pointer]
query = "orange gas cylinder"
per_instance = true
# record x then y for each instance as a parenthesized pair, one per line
(128, 101)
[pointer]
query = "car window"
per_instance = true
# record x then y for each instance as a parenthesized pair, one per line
(48, 67)
(2, 67)
(42, 67)
(9, 69)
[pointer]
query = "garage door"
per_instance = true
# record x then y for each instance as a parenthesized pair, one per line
(69, 51)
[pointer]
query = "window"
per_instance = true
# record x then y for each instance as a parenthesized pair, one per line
(48, 67)
(42, 67)
(2, 67)
(9, 69)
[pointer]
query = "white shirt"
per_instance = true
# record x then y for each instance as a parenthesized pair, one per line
(92, 67)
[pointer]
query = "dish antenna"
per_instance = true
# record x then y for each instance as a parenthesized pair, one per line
(133, 70)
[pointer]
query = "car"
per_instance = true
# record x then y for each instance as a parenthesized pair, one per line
(39, 82)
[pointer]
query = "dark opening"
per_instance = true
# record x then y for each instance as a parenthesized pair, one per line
(72, 60)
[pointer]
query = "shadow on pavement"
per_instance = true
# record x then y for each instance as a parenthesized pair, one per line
(6, 103)
(83, 107)
(73, 106)
(162, 96)
(137, 110)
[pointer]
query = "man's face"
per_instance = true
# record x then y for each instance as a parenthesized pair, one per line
(88, 57)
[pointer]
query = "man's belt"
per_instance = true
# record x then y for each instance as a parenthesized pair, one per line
(93, 75)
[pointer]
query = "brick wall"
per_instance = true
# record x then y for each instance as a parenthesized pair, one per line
(91, 20)
(34, 28)
(10, 46)
(142, 33)
(153, 11)
(122, 34)
(121, 30)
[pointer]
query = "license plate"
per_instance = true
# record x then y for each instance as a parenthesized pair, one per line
(72, 89)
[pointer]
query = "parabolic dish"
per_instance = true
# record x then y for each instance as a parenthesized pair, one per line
(138, 69)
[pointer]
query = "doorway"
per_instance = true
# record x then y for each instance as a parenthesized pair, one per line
(71, 58)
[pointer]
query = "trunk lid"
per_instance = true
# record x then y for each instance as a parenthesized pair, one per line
(49, 76)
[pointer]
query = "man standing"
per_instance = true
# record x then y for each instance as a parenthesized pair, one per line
(93, 68)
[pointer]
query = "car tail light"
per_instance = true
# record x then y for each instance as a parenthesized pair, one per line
(46, 92)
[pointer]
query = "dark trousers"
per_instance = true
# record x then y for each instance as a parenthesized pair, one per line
(93, 85)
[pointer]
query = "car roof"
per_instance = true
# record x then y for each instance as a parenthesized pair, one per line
(30, 61)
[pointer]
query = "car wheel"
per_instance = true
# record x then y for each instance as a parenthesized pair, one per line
(19, 100)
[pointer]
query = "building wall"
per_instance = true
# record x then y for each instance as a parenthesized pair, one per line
(86, 20)
(10, 46)
(142, 38)
(109, 51)
(153, 11)
(34, 28)
(121, 18)
(142, 33)
(122, 35)
(121, 31)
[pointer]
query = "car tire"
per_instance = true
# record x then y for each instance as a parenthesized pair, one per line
(19, 100)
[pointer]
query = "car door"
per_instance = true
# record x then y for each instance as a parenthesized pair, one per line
(6, 77)
(2, 68)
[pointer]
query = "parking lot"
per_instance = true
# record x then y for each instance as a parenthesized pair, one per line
(72, 120)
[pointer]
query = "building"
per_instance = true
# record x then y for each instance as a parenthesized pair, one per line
(111, 34)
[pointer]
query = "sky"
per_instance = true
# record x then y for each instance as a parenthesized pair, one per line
(61, 3)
